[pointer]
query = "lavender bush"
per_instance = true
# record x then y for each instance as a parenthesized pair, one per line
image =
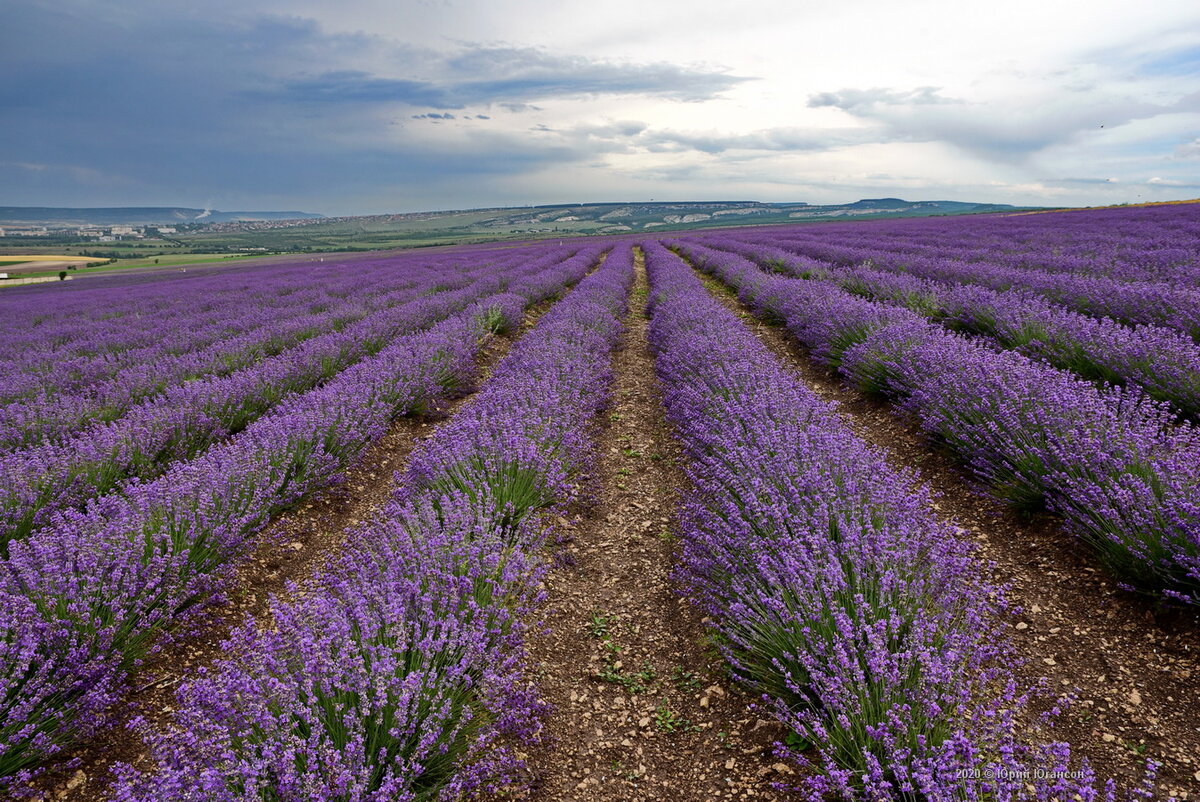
(96, 589)
(1163, 363)
(1112, 462)
(859, 618)
(394, 678)
(397, 674)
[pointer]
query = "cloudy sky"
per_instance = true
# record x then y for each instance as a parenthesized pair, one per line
(366, 106)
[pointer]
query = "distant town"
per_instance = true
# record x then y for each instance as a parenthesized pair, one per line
(91, 233)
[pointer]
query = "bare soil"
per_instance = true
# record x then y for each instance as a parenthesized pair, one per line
(642, 708)
(1133, 665)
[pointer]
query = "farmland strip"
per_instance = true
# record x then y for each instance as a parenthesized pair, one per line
(86, 599)
(35, 483)
(1146, 244)
(60, 407)
(1162, 362)
(859, 617)
(400, 674)
(1133, 244)
(69, 356)
(52, 352)
(120, 321)
(42, 372)
(1110, 463)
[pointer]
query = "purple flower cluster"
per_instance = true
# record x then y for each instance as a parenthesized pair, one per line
(88, 595)
(55, 343)
(396, 674)
(857, 616)
(182, 422)
(1162, 362)
(1115, 464)
(210, 343)
(395, 677)
(1148, 273)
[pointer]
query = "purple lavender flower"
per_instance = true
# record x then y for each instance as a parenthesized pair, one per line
(397, 674)
(858, 617)
(92, 592)
(1115, 464)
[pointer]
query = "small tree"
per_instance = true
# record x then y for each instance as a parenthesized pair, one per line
(62, 275)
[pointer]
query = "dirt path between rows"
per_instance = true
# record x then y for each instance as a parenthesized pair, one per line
(289, 550)
(641, 707)
(1136, 666)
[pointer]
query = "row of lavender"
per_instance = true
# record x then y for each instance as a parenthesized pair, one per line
(397, 675)
(59, 343)
(860, 619)
(1169, 303)
(1162, 362)
(98, 317)
(1114, 464)
(48, 404)
(1136, 244)
(208, 331)
(83, 600)
(39, 481)
(150, 337)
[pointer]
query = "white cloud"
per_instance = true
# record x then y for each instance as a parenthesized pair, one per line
(1189, 150)
(486, 100)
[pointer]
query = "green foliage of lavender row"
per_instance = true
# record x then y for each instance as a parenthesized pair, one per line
(861, 619)
(1162, 362)
(398, 677)
(1115, 464)
(85, 599)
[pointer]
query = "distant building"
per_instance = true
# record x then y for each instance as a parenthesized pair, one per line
(106, 238)
(122, 230)
(166, 229)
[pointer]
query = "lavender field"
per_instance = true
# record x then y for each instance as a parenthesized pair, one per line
(890, 510)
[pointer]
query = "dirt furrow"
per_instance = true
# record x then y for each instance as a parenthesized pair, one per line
(289, 550)
(642, 709)
(1133, 665)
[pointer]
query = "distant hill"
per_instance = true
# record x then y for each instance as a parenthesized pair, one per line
(415, 229)
(300, 232)
(702, 214)
(642, 215)
(606, 218)
(582, 217)
(135, 215)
